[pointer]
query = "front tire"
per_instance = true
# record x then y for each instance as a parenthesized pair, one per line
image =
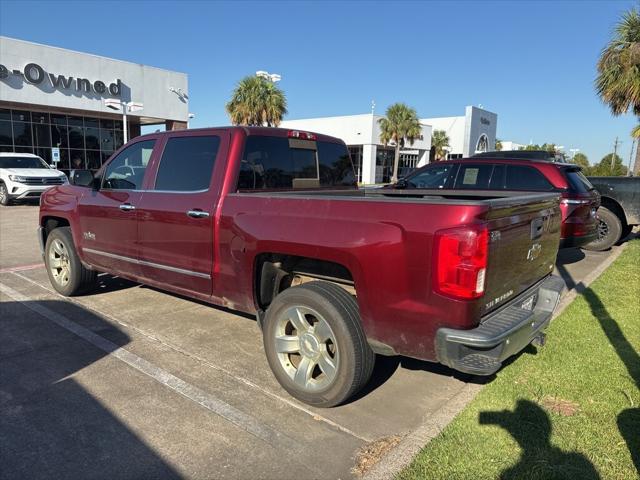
(66, 273)
(315, 345)
(609, 231)
(4, 195)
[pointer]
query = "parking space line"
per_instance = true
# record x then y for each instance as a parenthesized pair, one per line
(206, 362)
(193, 393)
(21, 268)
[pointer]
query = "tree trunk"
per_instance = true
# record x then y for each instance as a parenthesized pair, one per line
(396, 160)
(636, 163)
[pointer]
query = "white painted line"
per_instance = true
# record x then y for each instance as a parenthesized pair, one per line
(210, 402)
(21, 268)
(204, 361)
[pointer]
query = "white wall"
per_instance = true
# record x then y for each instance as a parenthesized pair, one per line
(455, 129)
(147, 85)
(508, 145)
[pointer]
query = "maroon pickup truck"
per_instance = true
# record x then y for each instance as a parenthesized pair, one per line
(270, 221)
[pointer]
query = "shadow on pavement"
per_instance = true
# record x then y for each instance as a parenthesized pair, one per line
(530, 426)
(50, 425)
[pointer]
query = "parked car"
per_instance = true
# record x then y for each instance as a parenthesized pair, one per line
(579, 199)
(270, 221)
(619, 209)
(523, 155)
(24, 176)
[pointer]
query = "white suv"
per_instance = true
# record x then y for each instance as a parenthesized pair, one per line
(23, 175)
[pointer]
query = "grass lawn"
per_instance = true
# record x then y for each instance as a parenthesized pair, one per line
(570, 410)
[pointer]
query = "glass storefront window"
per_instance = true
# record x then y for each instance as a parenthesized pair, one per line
(84, 142)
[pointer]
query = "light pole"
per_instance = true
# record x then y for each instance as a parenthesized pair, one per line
(126, 107)
(272, 77)
(573, 152)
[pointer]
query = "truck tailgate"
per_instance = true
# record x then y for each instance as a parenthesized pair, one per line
(524, 234)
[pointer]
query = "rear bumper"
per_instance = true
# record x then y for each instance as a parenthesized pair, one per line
(572, 242)
(501, 334)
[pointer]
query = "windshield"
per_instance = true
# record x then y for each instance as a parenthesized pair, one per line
(22, 162)
(430, 178)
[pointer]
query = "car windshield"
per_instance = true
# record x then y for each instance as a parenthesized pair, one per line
(22, 162)
(431, 177)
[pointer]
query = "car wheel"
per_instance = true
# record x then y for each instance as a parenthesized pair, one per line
(4, 195)
(66, 272)
(315, 345)
(609, 231)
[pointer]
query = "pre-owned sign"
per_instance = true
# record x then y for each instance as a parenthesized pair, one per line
(36, 75)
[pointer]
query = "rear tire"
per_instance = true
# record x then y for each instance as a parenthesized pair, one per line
(66, 273)
(609, 231)
(315, 345)
(4, 195)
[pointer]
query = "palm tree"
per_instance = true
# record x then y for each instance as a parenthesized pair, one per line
(498, 145)
(618, 80)
(440, 141)
(400, 125)
(635, 134)
(257, 101)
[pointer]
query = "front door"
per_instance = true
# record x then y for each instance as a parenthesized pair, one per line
(176, 213)
(109, 217)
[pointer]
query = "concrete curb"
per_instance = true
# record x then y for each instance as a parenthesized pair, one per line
(402, 455)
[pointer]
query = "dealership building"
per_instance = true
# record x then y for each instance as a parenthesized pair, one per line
(67, 105)
(473, 132)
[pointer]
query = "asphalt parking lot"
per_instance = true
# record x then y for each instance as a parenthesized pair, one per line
(131, 382)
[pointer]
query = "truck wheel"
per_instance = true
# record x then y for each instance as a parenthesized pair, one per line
(609, 231)
(315, 345)
(4, 195)
(626, 230)
(66, 273)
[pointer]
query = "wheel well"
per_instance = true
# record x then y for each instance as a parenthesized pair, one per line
(615, 207)
(276, 272)
(51, 223)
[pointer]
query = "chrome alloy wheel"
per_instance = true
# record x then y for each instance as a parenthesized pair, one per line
(603, 229)
(59, 263)
(306, 348)
(3, 193)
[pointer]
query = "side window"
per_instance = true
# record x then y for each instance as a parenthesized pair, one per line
(126, 170)
(474, 176)
(432, 177)
(270, 163)
(520, 177)
(187, 163)
(497, 178)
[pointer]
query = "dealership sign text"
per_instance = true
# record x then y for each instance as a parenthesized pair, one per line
(35, 74)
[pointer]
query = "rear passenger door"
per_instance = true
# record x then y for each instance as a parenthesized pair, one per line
(176, 213)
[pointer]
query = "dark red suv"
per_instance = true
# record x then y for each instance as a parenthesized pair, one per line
(579, 199)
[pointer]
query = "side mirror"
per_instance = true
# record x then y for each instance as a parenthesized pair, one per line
(82, 178)
(401, 183)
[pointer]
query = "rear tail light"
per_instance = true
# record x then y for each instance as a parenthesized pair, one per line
(460, 260)
(302, 135)
(576, 199)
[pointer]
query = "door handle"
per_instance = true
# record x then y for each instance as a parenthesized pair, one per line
(127, 207)
(197, 214)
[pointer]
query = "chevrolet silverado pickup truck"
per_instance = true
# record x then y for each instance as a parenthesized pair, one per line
(271, 222)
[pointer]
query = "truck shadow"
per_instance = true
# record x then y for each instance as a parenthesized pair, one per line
(628, 420)
(531, 427)
(51, 425)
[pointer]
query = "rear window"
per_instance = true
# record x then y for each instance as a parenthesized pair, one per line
(578, 182)
(281, 163)
(520, 177)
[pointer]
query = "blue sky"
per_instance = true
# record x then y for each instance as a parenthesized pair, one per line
(533, 63)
